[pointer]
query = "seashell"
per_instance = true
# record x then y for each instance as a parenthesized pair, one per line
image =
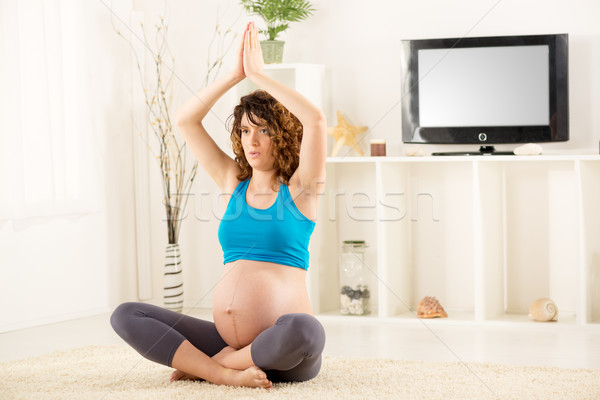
(430, 307)
(543, 310)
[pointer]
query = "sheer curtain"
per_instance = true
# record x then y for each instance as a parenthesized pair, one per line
(47, 160)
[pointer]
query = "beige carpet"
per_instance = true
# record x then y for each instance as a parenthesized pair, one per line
(113, 372)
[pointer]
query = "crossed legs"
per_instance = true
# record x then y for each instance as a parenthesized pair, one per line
(290, 350)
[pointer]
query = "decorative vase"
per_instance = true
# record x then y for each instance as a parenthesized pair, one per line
(173, 289)
(272, 51)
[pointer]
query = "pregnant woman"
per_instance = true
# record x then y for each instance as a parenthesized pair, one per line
(264, 329)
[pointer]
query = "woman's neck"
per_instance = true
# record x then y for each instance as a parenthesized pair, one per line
(262, 181)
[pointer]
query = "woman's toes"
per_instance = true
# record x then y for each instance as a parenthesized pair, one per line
(267, 384)
(178, 375)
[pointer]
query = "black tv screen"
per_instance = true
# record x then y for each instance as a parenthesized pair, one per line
(485, 90)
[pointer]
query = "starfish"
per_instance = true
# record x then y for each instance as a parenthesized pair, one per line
(345, 135)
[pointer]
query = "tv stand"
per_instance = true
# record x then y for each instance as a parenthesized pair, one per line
(483, 151)
(486, 235)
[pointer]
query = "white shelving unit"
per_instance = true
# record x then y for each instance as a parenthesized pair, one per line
(486, 235)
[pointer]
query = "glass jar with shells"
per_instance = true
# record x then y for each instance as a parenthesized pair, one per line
(354, 292)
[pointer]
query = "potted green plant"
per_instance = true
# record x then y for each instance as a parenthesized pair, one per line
(277, 14)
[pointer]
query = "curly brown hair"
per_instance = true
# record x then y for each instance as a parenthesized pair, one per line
(285, 131)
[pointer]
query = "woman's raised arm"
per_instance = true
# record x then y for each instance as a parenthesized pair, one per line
(222, 168)
(313, 150)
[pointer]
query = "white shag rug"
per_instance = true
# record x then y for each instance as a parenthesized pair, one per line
(114, 372)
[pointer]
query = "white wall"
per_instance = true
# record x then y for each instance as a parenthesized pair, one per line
(53, 270)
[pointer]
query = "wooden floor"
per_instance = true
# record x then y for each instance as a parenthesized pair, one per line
(557, 345)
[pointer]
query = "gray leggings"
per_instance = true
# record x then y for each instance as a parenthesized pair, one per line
(289, 351)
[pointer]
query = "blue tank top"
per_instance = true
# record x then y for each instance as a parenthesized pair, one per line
(278, 234)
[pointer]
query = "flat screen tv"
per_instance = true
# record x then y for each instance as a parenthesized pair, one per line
(485, 90)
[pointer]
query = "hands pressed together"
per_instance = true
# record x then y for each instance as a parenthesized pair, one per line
(249, 58)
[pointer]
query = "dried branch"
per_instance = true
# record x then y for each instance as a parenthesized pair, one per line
(171, 157)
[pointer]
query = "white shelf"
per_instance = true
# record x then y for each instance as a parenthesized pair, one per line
(456, 318)
(336, 315)
(487, 235)
(446, 159)
(563, 320)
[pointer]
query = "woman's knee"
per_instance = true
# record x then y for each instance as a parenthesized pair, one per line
(122, 318)
(305, 331)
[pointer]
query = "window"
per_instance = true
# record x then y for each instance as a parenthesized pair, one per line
(47, 161)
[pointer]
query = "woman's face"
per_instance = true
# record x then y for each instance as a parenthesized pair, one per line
(257, 143)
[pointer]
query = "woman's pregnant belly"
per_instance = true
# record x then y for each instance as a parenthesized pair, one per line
(252, 295)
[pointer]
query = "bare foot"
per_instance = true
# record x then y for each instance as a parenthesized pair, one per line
(251, 377)
(178, 375)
